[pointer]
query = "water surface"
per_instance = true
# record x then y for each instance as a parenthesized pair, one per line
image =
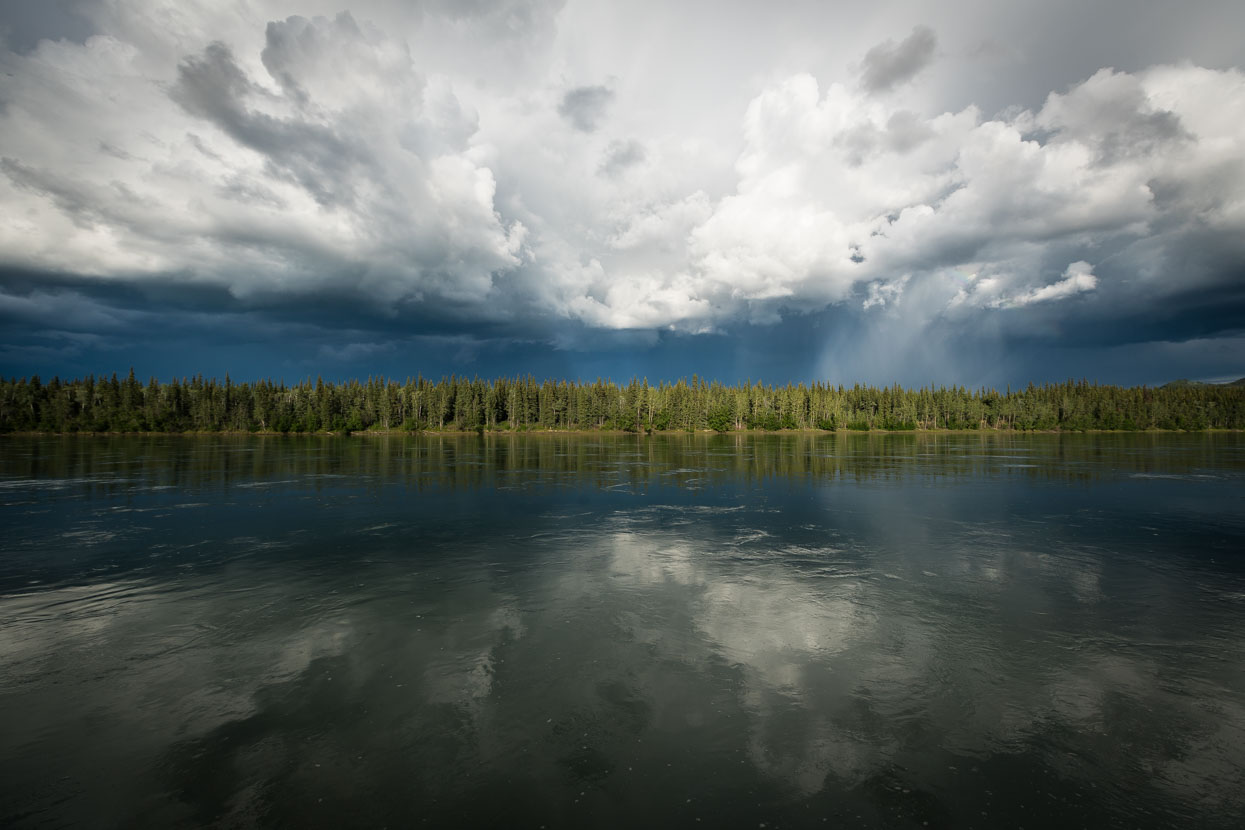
(805, 630)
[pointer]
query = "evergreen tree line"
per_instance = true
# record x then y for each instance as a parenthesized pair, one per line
(456, 403)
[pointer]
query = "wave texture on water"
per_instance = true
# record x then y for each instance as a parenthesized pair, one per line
(907, 630)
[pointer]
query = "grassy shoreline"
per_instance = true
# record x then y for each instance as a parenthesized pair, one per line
(115, 405)
(452, 433)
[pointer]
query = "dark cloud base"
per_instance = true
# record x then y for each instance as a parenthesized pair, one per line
(72, 326)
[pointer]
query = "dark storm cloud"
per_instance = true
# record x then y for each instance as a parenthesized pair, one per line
(79, 326)
(1122, 313)
(584, 107)
(889, 64)
(33, 302)
(68, 325)
(52, 309)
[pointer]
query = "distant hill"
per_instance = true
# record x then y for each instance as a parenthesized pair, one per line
(1182, 383)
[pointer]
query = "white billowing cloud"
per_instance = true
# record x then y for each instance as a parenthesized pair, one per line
(344, 168)
(838, 190)
(665, 225)
(882, 294)
(280, 156)
(785, 630)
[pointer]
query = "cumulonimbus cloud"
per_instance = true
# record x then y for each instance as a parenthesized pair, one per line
(324, 160)
(838, 190)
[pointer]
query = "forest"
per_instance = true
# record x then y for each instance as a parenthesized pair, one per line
(460, 404)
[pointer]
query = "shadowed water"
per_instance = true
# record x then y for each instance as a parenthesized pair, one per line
(808, 630)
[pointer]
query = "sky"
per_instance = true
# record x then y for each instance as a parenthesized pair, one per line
(979, 193)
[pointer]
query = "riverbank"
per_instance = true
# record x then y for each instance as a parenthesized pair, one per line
(458, 433)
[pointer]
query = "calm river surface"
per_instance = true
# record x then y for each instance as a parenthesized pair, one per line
(727, 631)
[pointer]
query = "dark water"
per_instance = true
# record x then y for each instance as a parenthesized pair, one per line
(853, 631)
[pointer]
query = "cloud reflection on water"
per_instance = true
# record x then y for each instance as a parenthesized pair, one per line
(897, 646)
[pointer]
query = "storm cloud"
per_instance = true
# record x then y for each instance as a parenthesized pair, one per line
(371, 182)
